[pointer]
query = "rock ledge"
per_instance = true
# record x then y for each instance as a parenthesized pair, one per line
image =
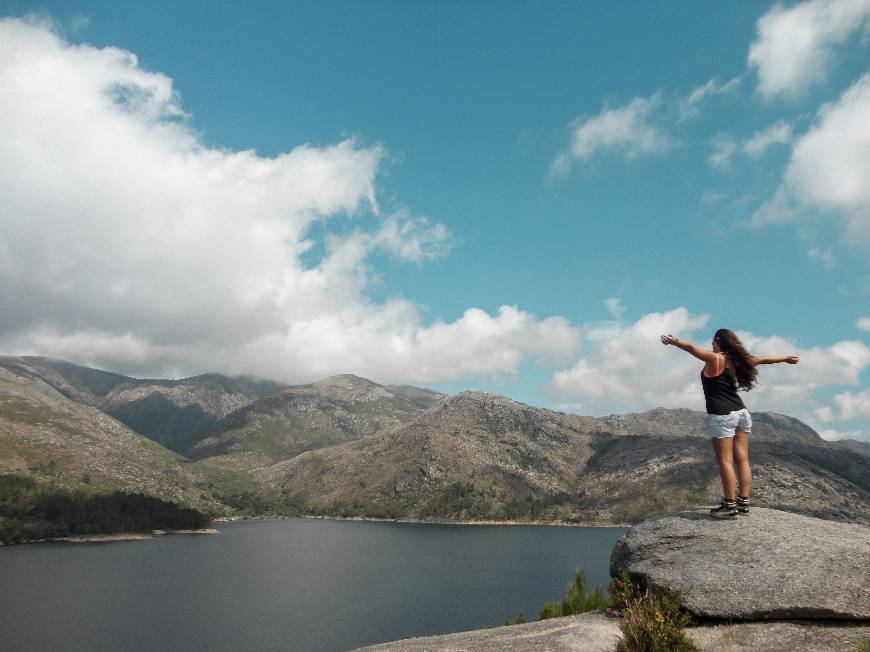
(767, 565)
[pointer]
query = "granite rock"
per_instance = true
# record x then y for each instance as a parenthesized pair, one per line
(767, 565)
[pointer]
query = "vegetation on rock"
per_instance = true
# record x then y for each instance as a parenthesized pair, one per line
(652, 620)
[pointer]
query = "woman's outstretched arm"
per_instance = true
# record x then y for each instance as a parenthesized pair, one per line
(710, 357)
(773, 359)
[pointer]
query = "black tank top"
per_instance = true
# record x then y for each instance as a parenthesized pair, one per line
(720, 392)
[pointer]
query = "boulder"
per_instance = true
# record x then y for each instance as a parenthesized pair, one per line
(766, 565)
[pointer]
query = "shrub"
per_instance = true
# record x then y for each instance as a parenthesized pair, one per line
(863, 645)
(577, 601)
(653, 619)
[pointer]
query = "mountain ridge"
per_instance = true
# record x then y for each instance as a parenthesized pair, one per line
(348, 446)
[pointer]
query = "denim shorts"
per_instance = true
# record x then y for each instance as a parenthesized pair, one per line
(723, 425)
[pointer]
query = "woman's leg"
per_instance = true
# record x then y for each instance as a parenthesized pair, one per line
(724, 448)
(741, 462)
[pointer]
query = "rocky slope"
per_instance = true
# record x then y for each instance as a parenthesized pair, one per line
(306, 417)
(479, 455)
(174, 413)
(348, 446)
(472, 455)
(662, 422)
(67, 444)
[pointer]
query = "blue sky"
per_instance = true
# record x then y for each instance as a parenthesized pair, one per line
(604, 170)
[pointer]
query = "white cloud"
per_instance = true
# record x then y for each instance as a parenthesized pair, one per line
(847, 406)
(795, 45)
(688, 108)
(863, 323)
(127, 243)
(625, 130)
(726, 147)
(836, 435)
(628, 369)
(758, 143)
(829, 167)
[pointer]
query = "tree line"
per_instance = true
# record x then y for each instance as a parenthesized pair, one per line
(30, 511)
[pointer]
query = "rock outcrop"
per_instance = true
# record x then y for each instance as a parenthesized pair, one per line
(767, 565)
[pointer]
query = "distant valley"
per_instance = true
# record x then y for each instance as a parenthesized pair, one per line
(346, 446)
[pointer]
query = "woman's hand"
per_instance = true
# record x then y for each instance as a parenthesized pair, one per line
(669, 339)
(792, 359)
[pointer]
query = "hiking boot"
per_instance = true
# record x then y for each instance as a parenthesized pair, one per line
(742, 505)
(726, 509)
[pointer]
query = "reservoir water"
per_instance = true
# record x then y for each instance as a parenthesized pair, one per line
(296, 584)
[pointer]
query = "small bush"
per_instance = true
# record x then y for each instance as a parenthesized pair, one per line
(577, 601)
(551, 609)
(652, 620)
(863, 645)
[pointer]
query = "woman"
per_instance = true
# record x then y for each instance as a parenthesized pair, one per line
(727, 367)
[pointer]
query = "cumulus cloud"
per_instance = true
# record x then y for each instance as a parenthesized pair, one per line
(835, 435)
(626, 130)
(829, 167)
(725, 147)
(863, 323)
(127, 243)
(795, 45)
(627, 367)
(847, 406)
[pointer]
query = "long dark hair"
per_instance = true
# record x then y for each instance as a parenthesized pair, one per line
(740, 359)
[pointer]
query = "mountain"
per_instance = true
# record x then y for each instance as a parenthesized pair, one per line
(348, 446)
(861, 447)
(304, 417)
(471, 455)
(662, 422)
(479, 455)
(66, 444)
(174, 413)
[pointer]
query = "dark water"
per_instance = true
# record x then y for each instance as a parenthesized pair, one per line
(296, 584)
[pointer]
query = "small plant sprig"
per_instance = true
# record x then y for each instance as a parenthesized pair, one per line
(653, 620)
(577, 601)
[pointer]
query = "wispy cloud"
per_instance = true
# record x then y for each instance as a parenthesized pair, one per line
(823, 256)
(689, 107)
(626, 130)
(725, 147)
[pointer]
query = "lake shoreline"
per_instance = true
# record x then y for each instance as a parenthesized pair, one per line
(363, 519)
(117, 536)
(143, 536)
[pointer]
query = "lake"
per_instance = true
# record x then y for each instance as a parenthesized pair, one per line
(295, 584)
